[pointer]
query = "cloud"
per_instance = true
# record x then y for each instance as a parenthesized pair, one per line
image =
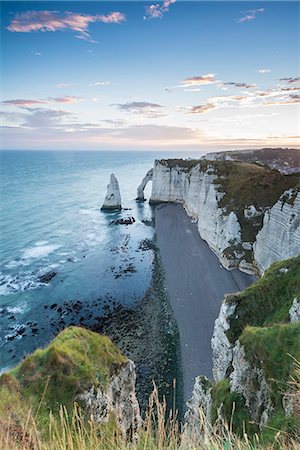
(157, 11)
(101, 83)
(151, 110)
(290, 80)
(36, 53)
(63, 85)
(33, 21)
(23, 103)
(200, 109)
(250, 15)
(264, 71)
(200, 80)
(239, 85)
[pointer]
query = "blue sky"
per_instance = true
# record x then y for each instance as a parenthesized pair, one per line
(147, 75)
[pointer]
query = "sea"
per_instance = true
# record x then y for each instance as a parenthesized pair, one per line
(63, 262)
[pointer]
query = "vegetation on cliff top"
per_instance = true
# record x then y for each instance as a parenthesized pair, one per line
(267, 301)
(48, 378)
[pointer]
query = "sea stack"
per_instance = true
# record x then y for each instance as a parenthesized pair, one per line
(113, 197)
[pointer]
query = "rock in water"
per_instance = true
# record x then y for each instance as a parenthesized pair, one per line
(113, 197)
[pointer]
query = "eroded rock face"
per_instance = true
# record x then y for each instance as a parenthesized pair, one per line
(250, 382)
(113, 197)
(199, 406)
(197, 190)
(119, 399)
(294, 311)
(140, 190)
(279, 237)
(221, 347)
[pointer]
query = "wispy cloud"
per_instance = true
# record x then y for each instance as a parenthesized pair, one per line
(33, 21)
(264, 71)
(23, 103)
(63, 85)
(250, 14)
(200, 109)
(290, 80)
(151, 110)
(268, 97)
(239, 85)
(157, 11)
(36, 53)
(200, 80)
(101, 83)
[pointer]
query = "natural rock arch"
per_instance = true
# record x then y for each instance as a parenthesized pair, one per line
(140, 190)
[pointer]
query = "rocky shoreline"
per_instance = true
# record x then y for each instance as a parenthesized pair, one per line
(148, 335)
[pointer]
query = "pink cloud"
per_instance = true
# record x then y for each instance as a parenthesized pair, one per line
(156, 11)
(203, 79)
(31, 21)
(24, 103)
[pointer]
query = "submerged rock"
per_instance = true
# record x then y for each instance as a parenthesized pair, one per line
(113, 197)
(128, 221)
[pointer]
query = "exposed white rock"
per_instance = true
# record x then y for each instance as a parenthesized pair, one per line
(221, 347)
(250, 382)
(279, 237)
(199, 406)
(198, 192)
(118, 399)
(113, 197)
(140, 190)
(251, 212)
(294, 311)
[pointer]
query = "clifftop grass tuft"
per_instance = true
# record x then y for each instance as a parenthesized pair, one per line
(267, 301)
(74, 361)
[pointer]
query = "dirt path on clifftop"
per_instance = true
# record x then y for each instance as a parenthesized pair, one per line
(196, 284)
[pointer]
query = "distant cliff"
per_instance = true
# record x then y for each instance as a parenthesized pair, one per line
(236, 204)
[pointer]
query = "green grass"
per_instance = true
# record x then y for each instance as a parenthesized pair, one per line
(274, 349)
(233, 409)
(73, 362)
(267, 301)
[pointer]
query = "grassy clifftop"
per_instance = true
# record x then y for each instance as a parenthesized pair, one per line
(271, 343)
(48, 378)
(267, 301)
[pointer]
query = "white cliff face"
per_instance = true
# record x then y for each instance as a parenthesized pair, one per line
(140, 190)
(221, 347)
(118, 399)
(294, 311)
(113, 197)
(199, 406)
(198, 192)
(250, 382)
(279, 237)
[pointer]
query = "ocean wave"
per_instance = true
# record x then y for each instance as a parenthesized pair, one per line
(24, 281)
(39, 251)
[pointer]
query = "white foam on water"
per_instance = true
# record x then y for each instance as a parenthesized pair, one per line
(38, 243)
(39, 251)
(17, 309)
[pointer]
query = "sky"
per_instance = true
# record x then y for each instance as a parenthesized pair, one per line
(119, 75)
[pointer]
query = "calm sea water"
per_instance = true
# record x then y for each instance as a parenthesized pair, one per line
(51, 222)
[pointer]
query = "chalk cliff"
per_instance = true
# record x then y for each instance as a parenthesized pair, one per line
(255, 343)
(279, 237)
(118, 399)
(113, 197)
(140, 190)
(232, 202)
